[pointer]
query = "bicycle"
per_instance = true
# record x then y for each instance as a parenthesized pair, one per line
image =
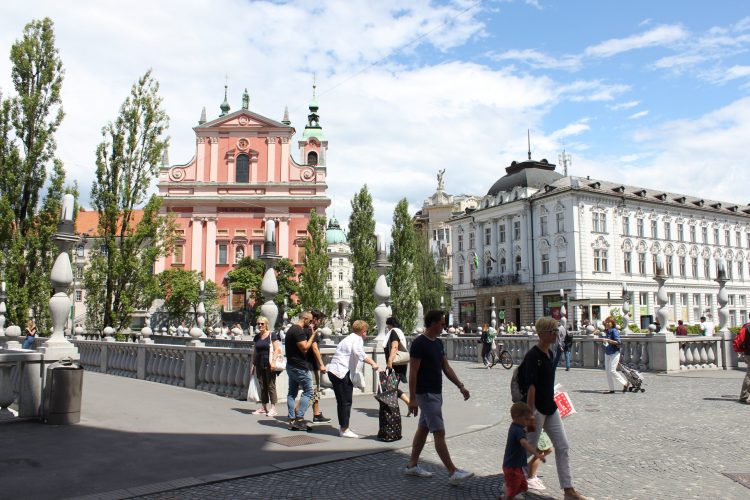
(503, 357)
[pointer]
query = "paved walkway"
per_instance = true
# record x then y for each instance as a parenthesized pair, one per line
(138, 438)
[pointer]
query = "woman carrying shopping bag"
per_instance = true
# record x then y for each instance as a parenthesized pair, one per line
(267, 349)
(342, 367)
(397, 354)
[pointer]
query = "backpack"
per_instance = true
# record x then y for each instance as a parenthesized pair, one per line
(518, 387)
(739, 344)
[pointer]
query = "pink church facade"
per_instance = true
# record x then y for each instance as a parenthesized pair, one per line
(241, 176)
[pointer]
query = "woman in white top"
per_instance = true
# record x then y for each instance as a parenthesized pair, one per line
(343, 364)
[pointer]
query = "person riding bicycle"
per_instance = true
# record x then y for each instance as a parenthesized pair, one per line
(488, 339)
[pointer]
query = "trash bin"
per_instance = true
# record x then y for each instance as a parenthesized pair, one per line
(62, 393)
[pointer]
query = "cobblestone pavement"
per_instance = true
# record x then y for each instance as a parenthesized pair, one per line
(674, 441)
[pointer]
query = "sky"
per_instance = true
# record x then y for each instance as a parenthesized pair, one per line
(651, 94)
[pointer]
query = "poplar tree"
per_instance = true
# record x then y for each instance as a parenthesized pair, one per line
(363, 246)
(430, 284)
(404, 295)
(248, 276)
(127, 160)
(28, 122)
(314, 291)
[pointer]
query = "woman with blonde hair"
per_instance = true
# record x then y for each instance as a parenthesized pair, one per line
(266, 348)
(28, 342)
(342, 367)
(612, 355)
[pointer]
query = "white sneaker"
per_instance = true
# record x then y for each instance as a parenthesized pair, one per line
(535, 484)
(417, 471)
(460, 475)
(349, 434)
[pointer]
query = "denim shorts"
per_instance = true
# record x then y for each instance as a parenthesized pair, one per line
(431, 411)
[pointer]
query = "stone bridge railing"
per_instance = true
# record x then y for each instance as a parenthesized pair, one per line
(219, 370)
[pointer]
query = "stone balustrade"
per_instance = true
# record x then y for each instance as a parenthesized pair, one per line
(20, 384)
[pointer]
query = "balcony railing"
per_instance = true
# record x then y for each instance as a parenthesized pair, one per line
(506, 279)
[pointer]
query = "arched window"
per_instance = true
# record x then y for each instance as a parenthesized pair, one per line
(242, 169)
(312, 158)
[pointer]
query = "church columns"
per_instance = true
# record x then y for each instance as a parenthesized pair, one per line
(214, 168)
(196, 246)
(271, 157)
(211, 249)
(284, 159)
(283, 246)
(200, 159)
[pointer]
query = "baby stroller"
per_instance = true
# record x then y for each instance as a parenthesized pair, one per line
(634, 378)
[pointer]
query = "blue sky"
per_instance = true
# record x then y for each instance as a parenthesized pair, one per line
(653, 94)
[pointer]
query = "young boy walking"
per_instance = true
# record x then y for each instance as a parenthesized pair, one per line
(514, 461)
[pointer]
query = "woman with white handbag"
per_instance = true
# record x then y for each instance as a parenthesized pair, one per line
(266, 351)
(396, 354)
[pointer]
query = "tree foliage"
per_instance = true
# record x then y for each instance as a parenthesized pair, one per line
(180, 290)
(404, 295)
(127, 160)
(363, 245)
(28, 122)
(314, 290)
(430, 284)
(248, 276)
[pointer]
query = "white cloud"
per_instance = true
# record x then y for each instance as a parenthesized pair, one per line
(592, 90)
(661, 35)
(638, 115)
(539, 60)
(624, 105)
(570, 130)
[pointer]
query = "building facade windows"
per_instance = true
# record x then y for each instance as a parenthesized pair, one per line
(242, 169)
(471, 240)
(560, 218)
(692, 234)
(545, 263)
(626, 226)
(628, 262)
(680, 232)
(600, 260)
(460, 242)
(178, 254)
(600, 222)
(655, 230)
(683, 266)
(704, 234)
(694, 266)
(668, 231)
(460, 273)
(516, 230)
(562, 265)
(501, 233)
(670, 265)
(640, 227)
(707, 269)
(503, 267)
(543, 225)
(518, 264)
(642, 264)
(79, 295)
(222, 254)
(488, 236)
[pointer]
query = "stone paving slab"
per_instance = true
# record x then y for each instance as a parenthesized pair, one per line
(675, 441)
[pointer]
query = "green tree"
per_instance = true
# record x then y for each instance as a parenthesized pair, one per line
(363, 245)
(314, 291)
(28, 122)
(430, 284)
(404, 295)
(248, 275)
(127, 160)
(180, 290)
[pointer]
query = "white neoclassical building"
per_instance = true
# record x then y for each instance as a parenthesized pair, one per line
(539, 236)
(340, 267)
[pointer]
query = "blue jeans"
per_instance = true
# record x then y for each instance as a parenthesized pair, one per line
(298, 377)
(559, 354)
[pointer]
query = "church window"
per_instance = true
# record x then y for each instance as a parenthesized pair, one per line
(242, 169)
(312, 158)
(179, 252)
(239, 253)
(257, 250)
(222, 254)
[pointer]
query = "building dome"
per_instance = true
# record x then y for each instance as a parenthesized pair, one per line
(334, 233)
(530, 173)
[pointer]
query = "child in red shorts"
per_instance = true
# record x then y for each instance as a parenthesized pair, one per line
(514, 461)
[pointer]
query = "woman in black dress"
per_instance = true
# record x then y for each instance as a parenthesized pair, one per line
(267, 348)
(395, 342)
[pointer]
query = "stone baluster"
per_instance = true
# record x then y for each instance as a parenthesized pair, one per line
(728, 356)
(662, 313)
(702, 354)
(13, 333)
(689, 359)
(644, 356)
(711, 354)
(196, 332)
(57, 346)
(7, 395)
(635, 353)
(79, 333)
(146, 331)
(382, 310)
(269, 287)
(109, 333)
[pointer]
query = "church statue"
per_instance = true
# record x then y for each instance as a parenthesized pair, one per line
(441, 184)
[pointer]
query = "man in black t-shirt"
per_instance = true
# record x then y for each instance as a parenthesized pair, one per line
(427, 363)
(539, 376)
(298, 342)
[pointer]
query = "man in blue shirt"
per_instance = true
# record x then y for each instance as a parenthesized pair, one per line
(427, 364)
